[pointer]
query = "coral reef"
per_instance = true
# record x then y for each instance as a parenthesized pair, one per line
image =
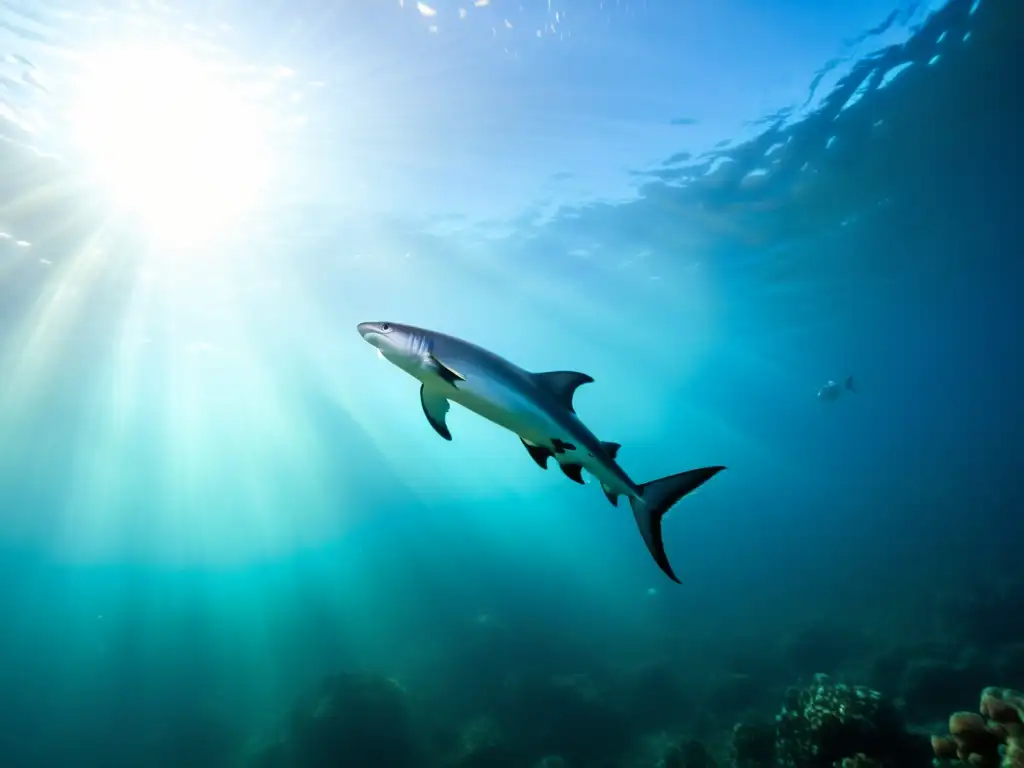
(830, 724)
(993, 737)
(596, 720)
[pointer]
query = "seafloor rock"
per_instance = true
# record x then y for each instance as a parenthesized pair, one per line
(551, 761)
(668, 750)
(892, 664)
(993, 737)
(687, 754)
(482, 744)
(859, 761)
(351, 719)
(753, 745)
(571, 716)
(657, 698)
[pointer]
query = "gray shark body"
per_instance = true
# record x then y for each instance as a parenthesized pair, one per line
(537, 407)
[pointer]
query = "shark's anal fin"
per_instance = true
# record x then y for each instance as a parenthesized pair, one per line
(435, 408)
(447, 374)
(612, 449)
(562, 384)
(538, 453)
(574, 472)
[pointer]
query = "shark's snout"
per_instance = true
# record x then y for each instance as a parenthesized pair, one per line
(383, 336)
(366, 330)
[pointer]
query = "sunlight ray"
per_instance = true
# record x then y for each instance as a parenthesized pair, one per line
(44, 330)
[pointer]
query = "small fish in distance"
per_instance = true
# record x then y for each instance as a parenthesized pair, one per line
(832, 390)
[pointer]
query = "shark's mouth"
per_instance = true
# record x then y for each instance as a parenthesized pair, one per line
(380, 354)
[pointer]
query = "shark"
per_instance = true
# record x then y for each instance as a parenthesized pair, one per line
(536, 407)
(832, 390)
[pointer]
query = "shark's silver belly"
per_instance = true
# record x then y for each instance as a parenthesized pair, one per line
(509, 405)
(503, 405)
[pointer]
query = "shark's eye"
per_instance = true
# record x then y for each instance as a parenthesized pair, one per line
(385, 327)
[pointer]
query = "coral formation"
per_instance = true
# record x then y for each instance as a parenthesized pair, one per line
(586, 721)
(829, 724)
(993, 737)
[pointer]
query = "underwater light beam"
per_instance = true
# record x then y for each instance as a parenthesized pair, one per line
(171, 139)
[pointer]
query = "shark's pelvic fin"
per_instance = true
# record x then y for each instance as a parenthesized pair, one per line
(563, 384)
(612, 449)
(538, 453)
(435, 408)
(448, 374)
(610, 495)
(656, 498)
(574, 472)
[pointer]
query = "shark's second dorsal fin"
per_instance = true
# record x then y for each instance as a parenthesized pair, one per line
(563, 384)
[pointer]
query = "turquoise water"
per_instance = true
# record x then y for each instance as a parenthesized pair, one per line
(213, 494)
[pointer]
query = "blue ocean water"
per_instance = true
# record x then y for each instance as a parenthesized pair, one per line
(229, 537)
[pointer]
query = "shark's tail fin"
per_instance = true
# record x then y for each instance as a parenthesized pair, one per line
(849, 384)
(656, 498)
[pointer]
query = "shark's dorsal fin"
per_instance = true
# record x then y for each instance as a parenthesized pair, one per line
(563, 384)
(612, 449)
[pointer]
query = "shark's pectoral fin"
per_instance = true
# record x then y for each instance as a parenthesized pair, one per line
(435, 408)
(538, 453)
(574, 472)
(612, 449)
(447, 374)
(563, 384)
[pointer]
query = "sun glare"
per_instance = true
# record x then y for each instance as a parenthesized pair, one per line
(173, 141)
